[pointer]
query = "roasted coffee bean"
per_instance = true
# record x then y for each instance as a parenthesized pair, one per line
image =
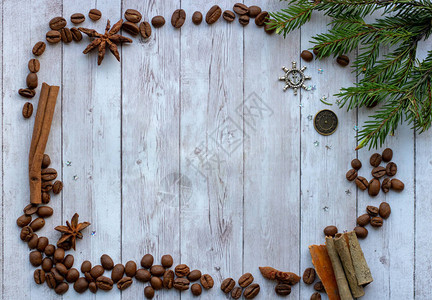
(37, 224)
(107, 262)
(319, 287)
(309, 276)
(330, 230)
(181, 270)
(57, 187)
(66, 35)
(68, 261)
(124, 283)
(77, 18)
(72, 275)
(374, 187)
(34, 65)
(149, 292)
(351, 175)
(386, 185)
(228, 16)
(131, 28)
(81, 285)
(384, 210)
(145, 30)
(376, 222)
(315, 51)
(227, 285)
(375, 159)
(213, 14)
(35, 258)
(167, 261)
(143, 275)
(207, 281)
(197, 290)
(32, 244)
(76, 34)
(372, 210)
(178, 18)
(157, 270)
(315, 296)
(49, 250)
(46, 198)
(397, 185)
(42, 243)
(196, 275)
(391, 169)
(59, 255)
(361, 232)
(156, 283)
(57, 23)
(372, 102)
(158, 21)
(24, 220)
(104, 283)
(269, 27)
(261, 18)
(62, 288)
(39, 276)
(47, 264)
(283, 289)
(117, 272)
(94, 14)
(387, 155)
(26, 233)
(251, 291)
(46, 186)
(378, 172)
(48, 174)
(236, 292)
(244, 20)
(362, 183)
(97, 271)
(343, 60)
(245, 280)
(93, 287)
(88, 277)
(254, 11)
(50, 280)
(32, 80)
(27, 93)
(58, 277)
(197, 18)
(53, 36)
(130, 268)
(46, 161)
(132, 15)
(306, 55)
(44, 211)
(39, 48)
(86, 266)
(363, 220)
(168, 279)
(240, 9)
(147, 261)
(181, 284)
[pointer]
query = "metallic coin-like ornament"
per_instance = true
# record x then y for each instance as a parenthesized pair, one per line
(325, 122)
(294, 78)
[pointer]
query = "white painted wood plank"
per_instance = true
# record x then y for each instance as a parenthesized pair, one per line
(151, 100)
(271, 154)
(19, 39)
(2, 154)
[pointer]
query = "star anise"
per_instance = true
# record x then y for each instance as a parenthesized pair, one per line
(71, 231)
(109, 39)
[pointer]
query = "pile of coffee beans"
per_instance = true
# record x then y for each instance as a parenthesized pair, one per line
(246, 287)
(374, 216)
(309, 277)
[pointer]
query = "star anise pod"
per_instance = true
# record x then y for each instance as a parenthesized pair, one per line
(109, 39)
(71, 232)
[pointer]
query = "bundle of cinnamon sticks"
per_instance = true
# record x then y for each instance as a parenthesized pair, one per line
(341, 266)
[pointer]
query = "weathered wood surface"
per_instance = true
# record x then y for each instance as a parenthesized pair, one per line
(190, 147)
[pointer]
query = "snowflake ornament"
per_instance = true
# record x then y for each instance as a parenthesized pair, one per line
(294, 78)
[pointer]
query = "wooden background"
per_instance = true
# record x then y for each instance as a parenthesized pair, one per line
(204, 102)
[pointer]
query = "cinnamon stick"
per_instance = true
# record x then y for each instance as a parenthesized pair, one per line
(342, 283)
(41, 130)
(361, 267)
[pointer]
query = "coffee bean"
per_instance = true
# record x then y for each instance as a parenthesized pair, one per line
(39, 276)
(376, 222)
(147, 261)
(236, 292)
(351, 175)
(53, 36)
(57, 23)
(149, 292)
(86, 266)
(228, 16)
(44, 211)
(46, 198)
(39, 48)
(397, 185)
(46, 186)
(32, 244)
(145, 30)
(61, 268)
(132, 15)
(384, 210)
(196, 289)
(178, 18)
(244, 20)
(46, 161)
(42, 243)
(30, 209)
(158, 21)
(50, 280)
(143, 275)
(372, 210)
(27, 93)
(168, 279)
(309, 276)
(131, 28)
(181, 270)
(343, 60)
(251, 291)
(194, 275)
(156, 283)
(371, 102)
(94, 14)
(315, 51)
(72, 275)
(207, 281)
(157, 270)
(213, 14)
(254, 11)
(387, 155)
(283, 289)
(261, 18)
(356, 164)
(32, 80)
(76, 34)
(58, 277)
(361, 232)
(97, 271)
(378, 172)
(49, 250)
(181, 284)
(245, 280)
(93, 287)
(227, 285)
(269, 27)
(104, 283)
(197, 18)
(57, 187)
(240, 9)
(306, 55)
(66, 35)
(88, 277)
(59, 255)
(107, 262)
(117, 272)
(315, 296)
(386, 185)
(124, 283)
(24, 220)
(375, 160)
(48, 174)
(34, 65)
(77, 18)
(35, 258)
(37, 224)
(363, 220)
(391, 169)
(47, 264)
(374, 187)
(130, 268)
(330, 230)
(81, 285)
(167, 261)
